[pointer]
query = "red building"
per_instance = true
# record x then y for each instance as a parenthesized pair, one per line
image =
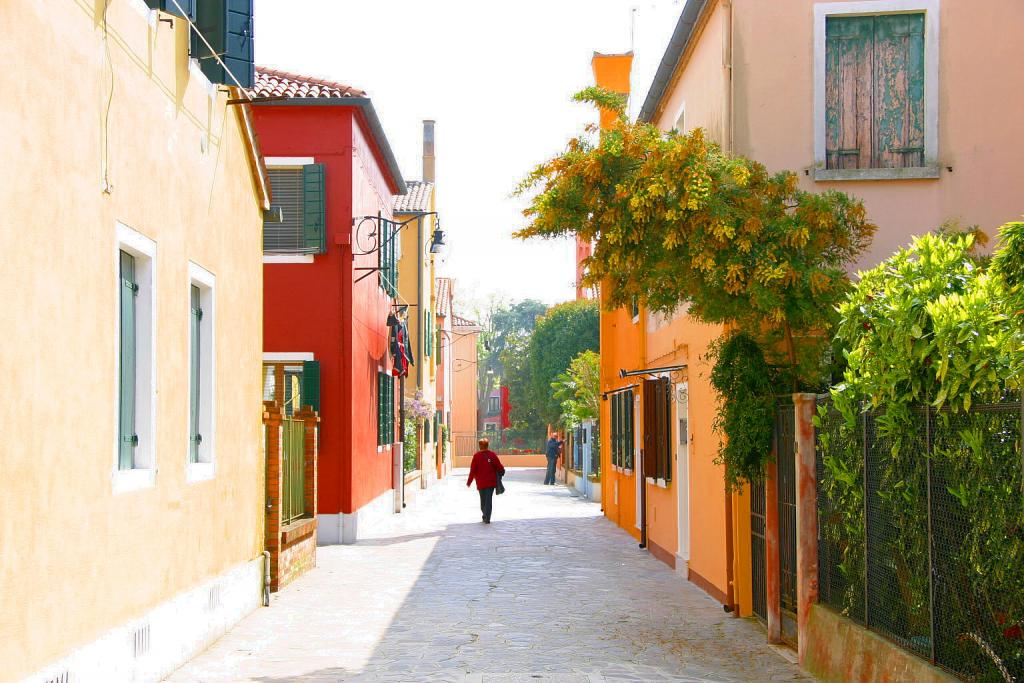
(328, 288)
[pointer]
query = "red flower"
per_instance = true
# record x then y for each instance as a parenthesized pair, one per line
(1014, 633)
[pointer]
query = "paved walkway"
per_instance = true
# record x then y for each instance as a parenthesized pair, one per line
(550, 591)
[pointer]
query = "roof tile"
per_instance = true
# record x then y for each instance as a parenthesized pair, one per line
(416, 199)
(275, 83)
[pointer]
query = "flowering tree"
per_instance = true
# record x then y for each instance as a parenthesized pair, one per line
(675, 220)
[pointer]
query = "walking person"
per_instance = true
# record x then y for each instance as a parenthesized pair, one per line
(553, 449)
(485, 470)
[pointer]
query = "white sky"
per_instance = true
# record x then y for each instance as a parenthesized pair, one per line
(497, 77)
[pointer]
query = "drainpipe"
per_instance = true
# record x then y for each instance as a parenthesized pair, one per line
(401, 446)
(727, 66)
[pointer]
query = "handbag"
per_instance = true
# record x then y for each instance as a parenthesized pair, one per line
(500, 488)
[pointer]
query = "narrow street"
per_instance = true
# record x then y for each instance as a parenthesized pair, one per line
(549, 591)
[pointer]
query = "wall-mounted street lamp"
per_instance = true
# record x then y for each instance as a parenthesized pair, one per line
(372, 233)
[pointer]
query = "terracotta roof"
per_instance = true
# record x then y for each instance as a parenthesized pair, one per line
(443, 294)
(416, 198)
(274, 83)
(459, 321)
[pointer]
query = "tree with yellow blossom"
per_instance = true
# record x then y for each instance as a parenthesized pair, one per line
(677, 221)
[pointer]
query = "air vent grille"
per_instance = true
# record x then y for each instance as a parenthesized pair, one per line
(140, 641)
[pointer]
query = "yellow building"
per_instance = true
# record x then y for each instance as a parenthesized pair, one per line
(131, 517)
(416, 289)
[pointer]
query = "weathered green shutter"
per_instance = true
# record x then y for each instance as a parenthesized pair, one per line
(128, 293)
(195, 438)
(311, 384)
(899, 90)
(183, 8)
(848, 92)
(228, 26)
(314, 208)
(380, 408)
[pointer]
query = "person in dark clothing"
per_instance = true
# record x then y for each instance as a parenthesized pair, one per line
(485, 470)
(553, 448)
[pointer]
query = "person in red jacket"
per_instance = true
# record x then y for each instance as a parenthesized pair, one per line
(485, 470)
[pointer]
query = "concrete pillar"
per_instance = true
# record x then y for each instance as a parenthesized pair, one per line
(773, 600)
(805, 406)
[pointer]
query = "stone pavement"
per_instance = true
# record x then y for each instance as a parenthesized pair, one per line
(549, 592)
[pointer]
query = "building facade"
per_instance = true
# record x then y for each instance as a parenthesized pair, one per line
(861, 97)
(133, 504)
(329, 264)
(416, 211)
(444, 293)
(465, 406)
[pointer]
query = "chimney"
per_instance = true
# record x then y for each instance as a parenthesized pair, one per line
(428, 151)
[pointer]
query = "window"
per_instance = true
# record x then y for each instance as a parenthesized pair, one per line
(201, 373)
(385, 409)
(634, 309)
(490, 428)
(299, 191)
(493, 405)
(875, 94)
(387, 256)
(292, 384)
(657, 428)
(622, 429)
(135, 451)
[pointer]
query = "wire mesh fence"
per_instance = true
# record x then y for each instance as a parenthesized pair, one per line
(921, 531)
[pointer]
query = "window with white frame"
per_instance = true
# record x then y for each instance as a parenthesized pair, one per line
(876, 82)
(201, 414)
(135, 445)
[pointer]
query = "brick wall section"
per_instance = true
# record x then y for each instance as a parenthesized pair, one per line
(272, 425)
(293, 548)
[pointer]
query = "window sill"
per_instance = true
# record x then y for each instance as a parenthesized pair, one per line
(298, 530)
(916, 173)
(660, 483)
(125, 481)
(287, 258)
(199, 471)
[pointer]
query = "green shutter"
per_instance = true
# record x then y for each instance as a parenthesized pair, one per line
(314, 212)
(899, 90)
(380, 408)
(311, 384)
(228, 26)
(128, 293)
(195, 438)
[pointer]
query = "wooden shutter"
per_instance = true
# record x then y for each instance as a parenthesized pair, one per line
(380, 408)
(195, 320)
(311, 384)
(314, 212)
(183, 8)
(874, 91)
(899, 90)
(615, 429)
(128, 293)
(848, 92)
(650, 408)
(428, 337)
(629, 405)
(228, 26)
(666, 429)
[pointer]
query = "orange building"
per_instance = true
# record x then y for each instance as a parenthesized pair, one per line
(659, 478)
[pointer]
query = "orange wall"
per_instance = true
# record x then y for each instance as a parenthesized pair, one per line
(464, 373)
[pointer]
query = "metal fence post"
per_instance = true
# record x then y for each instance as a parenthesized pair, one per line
(867, 536)
(931, 538)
